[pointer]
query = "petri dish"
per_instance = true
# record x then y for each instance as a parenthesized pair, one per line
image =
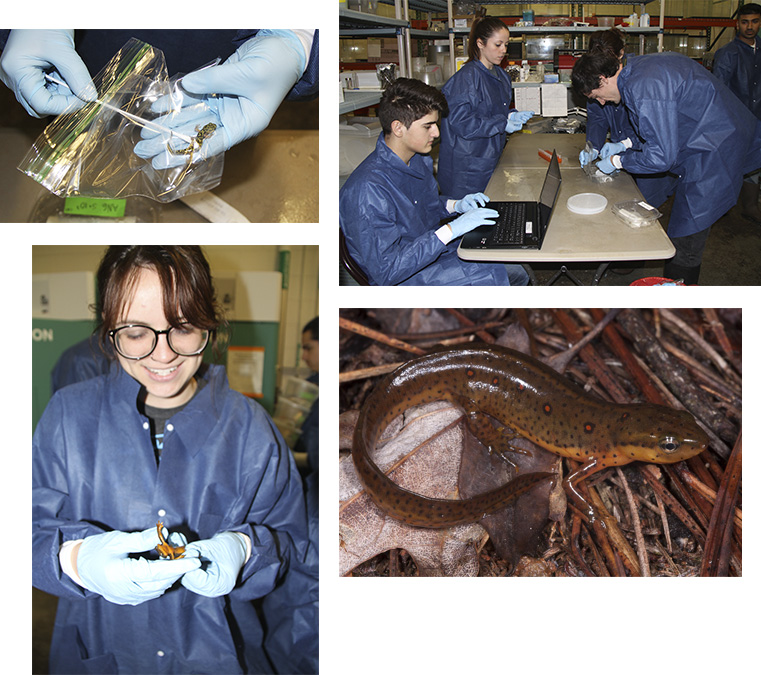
(587, 203)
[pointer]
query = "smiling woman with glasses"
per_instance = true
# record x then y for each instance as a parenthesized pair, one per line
(164, 439)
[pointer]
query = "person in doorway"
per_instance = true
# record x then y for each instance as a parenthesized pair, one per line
(691, 126)
(309, 440)
(479, 97)
(162, 437)
(738, 65)
(390, 207)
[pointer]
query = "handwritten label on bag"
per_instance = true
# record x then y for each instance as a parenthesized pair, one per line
(95, 208)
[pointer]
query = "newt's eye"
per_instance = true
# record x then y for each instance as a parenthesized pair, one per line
(669, 444)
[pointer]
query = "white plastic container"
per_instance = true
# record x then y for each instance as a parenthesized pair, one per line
(636, 213)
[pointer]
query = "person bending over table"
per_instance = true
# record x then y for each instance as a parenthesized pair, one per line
(691, 125)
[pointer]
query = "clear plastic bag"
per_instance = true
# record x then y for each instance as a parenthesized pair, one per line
(590, 168)
(89, 152)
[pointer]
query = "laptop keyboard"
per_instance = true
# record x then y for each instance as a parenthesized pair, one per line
(508, 229)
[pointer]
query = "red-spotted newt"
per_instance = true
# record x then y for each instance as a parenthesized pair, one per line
(164, 548)
(531, 400)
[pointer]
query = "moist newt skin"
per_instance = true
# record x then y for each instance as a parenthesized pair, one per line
(164, 548)
(532, 401)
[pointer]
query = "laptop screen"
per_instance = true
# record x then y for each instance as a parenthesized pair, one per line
(551, 183)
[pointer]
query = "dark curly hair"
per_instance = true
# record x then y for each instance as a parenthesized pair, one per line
(591, 67)
(408, 100)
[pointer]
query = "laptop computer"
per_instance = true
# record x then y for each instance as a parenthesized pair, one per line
(520, 224)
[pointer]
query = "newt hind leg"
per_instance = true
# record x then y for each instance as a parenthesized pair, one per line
(498, 440)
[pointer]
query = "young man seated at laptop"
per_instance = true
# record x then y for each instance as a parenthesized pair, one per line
(390, 207)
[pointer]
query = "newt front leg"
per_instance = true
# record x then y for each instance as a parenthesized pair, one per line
(570, 483)
(165, 549)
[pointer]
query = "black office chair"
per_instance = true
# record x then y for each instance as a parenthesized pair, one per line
(349, 266)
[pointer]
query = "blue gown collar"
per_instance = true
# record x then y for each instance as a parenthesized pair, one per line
(416, 167)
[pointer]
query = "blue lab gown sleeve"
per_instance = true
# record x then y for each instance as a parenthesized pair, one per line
(80, 362)
(473, 133)
(291, 610)
(691, 126)
(738, 65)
(389, 212)
(309, 439)
(224, 467)
(612, 118)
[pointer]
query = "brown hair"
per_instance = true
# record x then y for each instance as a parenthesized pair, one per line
(482, 29)
(591, 67)
(408, 100)
(612, 39)
(185, 277)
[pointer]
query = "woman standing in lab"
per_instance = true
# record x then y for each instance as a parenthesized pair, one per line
(161, 438)
(480, 117)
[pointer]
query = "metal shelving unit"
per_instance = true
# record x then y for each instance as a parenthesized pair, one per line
(361, 24)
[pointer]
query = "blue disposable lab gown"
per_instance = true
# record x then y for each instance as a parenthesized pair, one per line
(224, 467)
(82, 361)
(389, 212)
(694, 127)
(473, 133)
(738, 65)
(612, 117)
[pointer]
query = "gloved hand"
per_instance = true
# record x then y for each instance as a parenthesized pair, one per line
(470, 202)
(610, 149)
(104, 567)
(516, 120)
(226, 554)
(471, 220)
(28, 55)
(606, 166)
(587, 157)
(242, 94)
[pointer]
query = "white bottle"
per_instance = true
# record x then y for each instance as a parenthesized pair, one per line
(525, 70)
(644, 20)
(633, 19)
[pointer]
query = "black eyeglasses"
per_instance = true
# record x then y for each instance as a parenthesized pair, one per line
(135, 341)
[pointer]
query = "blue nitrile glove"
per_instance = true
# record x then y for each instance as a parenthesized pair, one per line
(606, 165)
(516, 120)
(226, 554)
(28, 55)
(470, 202)
(610, 149)
(471, 220)
(104, 567)
(587, 157)
(242, 94)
